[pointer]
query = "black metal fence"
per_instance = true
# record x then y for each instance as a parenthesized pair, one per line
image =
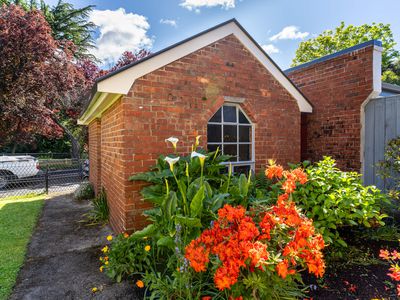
(25, 174)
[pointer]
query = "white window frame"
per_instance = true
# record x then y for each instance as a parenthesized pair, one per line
(237, 163)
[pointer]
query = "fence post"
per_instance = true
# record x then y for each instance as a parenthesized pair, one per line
(46, 178)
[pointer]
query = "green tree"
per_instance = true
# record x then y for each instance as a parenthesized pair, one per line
(342, 37)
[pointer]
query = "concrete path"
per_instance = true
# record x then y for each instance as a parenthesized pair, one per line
(63, 257)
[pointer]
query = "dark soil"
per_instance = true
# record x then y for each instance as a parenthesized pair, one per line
(351, 279)
(63, 258)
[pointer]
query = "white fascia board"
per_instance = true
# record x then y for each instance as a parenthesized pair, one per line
(121, 82)
(377, 70)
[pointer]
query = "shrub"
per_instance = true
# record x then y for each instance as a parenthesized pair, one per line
(264, 247)
(84, 192)
(389, 168)
(335, 199)
(126, 256)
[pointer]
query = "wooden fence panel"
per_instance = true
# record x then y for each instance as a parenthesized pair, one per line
(382, 123)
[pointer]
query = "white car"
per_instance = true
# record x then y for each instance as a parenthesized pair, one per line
(16, 167)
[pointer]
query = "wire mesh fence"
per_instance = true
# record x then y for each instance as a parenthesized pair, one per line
(25, 174)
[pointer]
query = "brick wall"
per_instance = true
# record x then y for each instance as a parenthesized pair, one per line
(336, 88)
(95, 154)
(178, 100)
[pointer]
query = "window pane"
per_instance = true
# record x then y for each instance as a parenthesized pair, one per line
(231, 150)
(242, 169)
(216, 117)
(213, 133)
(242, 118)
(212, 148)
(244, 133)
(229, 113)
(230, 133)
(244, 153)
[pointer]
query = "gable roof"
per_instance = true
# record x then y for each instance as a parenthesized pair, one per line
(109, 88)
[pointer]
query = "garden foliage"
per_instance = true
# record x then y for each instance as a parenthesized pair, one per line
(389, 168)
(100, 211)
(84, 192)
(218, 235)
(334, 199)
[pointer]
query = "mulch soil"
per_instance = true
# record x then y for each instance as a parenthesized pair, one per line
(353, 280)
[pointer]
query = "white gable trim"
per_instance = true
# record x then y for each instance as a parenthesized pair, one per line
(121, 82)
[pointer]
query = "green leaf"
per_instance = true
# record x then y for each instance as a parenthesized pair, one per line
(171, 204)
(153, 193)
(147, 231)
(196, 206)
(194, 222)
(218, 201)
(182, 187)
(166, 241)
(243, 185)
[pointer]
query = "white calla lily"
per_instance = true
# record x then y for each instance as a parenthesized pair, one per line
(197, 154)
(171, 161)
(173, 141)
(202, 157)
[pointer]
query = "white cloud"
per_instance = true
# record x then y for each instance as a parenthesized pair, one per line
(196, 4)
(290, 33)
(170, 22)
(270, 49)
(119, 31)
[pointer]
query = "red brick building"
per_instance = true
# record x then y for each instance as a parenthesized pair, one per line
(221, 85)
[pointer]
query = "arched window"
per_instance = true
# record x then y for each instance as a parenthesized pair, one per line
(231, 131)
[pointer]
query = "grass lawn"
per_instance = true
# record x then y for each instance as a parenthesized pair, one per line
(18, 216)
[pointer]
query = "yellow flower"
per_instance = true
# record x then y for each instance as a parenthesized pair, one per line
(109, 238)
(106, 258)
(101, 268)
(106, 262)
(94, 290)
(105, 249)
(197, 141)
(126, 235)
(101, 258)
(147, 248)
(140, 284)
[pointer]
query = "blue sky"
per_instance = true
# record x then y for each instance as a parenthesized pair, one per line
(279, 25)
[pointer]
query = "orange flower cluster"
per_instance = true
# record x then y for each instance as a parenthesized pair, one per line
(230, 239)
(238, 242)
(291, 177)
(394, 267)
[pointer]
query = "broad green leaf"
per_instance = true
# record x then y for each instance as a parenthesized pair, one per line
(171, 204)
(147, 231)
(243, 185)
(196, 205)
(195, 222)
(166, 241)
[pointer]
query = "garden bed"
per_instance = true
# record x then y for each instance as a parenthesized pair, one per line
(360, 275)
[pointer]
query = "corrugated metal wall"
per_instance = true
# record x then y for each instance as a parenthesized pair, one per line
(382, 123)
